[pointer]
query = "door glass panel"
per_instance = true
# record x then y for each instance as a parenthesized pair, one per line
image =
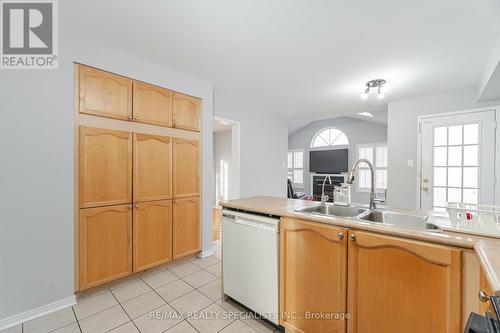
(439, 176)
(471, 155)
(440, 156)
(471, 177)
(440, 196)
(470, 196)
(298, 176)
(455, 177)
(471, 134)
(454, 195)
(364, 178)
(440, 136)
(455, 156)
(455, 135)
(381, 179)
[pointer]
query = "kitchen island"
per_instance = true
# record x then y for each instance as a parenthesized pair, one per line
(341, 273)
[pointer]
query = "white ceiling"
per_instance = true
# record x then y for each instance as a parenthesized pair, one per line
(303, 59)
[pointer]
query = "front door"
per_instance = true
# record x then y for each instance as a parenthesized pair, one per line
(457, 159)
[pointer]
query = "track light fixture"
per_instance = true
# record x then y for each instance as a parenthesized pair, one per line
(376, 84)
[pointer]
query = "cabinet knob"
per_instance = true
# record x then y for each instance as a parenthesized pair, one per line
(483, 296)
(136, 205)
(352, 237)
(130, 118)
(136, 118)
(340, 235)
(130, 206)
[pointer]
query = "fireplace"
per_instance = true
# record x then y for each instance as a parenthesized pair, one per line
(317, 184)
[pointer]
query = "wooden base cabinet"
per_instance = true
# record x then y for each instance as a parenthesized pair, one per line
(105, 244)
(152, 234)
(186, 227)
(313, 264)
(399, 285)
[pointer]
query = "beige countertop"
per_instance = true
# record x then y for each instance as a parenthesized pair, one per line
(487, 249)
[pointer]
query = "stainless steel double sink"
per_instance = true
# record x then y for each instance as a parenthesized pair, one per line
(386, 217)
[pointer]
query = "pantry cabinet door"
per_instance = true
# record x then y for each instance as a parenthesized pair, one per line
(152, 234)
(313, 264)
(186, 227)
(105, 167)
(152, 167)
(399, 285)
(186, 173)
(187, 112)
(105, 244)
(152, 104)
(105, 94)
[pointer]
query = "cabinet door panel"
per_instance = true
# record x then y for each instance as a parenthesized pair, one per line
(399, 285)
(187, 112)
(186, 173)
(152, 167)
(186, 229)
(313, 264)
(105, 94)
(105, 167)
(152, 234)
(105, 244)
(152, 105)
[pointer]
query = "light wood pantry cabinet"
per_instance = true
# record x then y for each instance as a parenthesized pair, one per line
(152, 231)
(186, 227)
(152, 167)
(137, 178)
(400, 285)
(105, 244)
(105, 94)
(186, 168)
(187, 112)
(313, 265)
(152, 104)
(105, 167)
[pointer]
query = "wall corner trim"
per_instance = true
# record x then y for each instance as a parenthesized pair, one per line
(37, 312)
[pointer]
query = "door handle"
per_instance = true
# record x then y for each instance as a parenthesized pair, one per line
(425, 188)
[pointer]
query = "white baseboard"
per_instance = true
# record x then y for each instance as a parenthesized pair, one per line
(37, 312)
(206, 253)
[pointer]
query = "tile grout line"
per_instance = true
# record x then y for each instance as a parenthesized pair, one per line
(126, 313)
(77, 321)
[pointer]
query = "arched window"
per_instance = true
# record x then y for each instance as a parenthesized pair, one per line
(329, 137)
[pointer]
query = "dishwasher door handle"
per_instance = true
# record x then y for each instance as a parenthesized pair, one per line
(253, 224)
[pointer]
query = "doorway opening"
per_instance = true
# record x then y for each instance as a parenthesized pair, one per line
(226, 144)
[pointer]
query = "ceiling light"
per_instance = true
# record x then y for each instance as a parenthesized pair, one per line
(378, 83)
(366, 114)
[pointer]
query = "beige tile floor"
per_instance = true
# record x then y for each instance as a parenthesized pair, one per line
(192, 286)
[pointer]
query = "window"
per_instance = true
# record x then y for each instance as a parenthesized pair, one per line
(329, 137)
(295, 166)
(377, 154)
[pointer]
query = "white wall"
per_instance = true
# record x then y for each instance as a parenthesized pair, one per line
(36, 173)
(263, 147)
(402, 138)
(222, 153)
(357, 131)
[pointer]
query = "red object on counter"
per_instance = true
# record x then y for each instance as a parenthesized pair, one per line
(468, 215)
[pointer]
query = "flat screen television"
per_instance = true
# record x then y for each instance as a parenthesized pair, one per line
(328, 161)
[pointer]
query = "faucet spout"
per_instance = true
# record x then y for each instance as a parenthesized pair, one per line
(350, 179)
(324, 197)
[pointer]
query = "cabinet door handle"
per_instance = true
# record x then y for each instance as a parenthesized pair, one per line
(136, 205)
(352, 237)
(136, 118)
(130, 118)
(483, 296)
(130, 206)
(340, 235)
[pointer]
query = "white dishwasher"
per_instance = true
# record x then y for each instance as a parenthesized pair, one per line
(250, 254)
